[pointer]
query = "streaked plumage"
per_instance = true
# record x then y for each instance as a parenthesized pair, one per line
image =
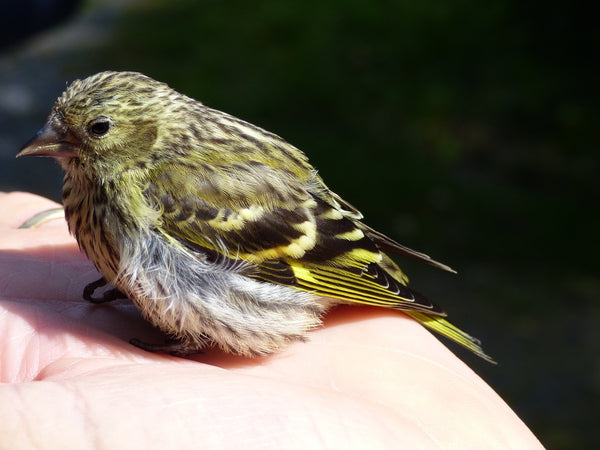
(217, 230)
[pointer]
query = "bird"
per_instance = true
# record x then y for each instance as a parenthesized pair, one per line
(220, 232)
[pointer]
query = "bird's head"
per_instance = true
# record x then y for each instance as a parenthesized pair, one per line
(106, 122)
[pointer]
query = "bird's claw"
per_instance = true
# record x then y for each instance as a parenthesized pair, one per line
(108, 295)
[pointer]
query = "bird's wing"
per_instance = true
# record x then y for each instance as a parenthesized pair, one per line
(389, 245)
(385, 243)
(293, 237)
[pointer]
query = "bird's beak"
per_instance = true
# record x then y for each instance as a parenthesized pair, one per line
(51, 141)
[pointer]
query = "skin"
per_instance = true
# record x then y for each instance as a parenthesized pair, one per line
(369, 378)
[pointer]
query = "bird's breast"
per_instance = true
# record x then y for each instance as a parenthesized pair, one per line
(94, 222)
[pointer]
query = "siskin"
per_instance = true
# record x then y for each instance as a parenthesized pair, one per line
(218, 231)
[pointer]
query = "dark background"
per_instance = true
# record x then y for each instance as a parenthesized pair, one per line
(464, 129)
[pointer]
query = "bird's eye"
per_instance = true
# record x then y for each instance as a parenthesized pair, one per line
(100, 126)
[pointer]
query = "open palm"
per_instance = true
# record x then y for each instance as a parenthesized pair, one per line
(370, 378)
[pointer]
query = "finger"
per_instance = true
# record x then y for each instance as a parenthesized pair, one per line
(17, 207)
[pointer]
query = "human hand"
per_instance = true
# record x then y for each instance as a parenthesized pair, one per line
(370, 378)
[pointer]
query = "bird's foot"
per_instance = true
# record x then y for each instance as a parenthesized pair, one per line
(108, 295)
(172, 346)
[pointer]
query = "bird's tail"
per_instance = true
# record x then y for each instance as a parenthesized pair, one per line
(445, 328)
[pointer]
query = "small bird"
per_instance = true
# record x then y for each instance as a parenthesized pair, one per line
(218, 231)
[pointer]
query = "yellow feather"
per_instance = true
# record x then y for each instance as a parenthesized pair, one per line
(353, 235)
(448, 330)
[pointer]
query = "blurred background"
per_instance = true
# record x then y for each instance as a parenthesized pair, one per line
(463, 129)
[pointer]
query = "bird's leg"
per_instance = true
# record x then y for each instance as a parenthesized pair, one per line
(108, 296)
(174, 347)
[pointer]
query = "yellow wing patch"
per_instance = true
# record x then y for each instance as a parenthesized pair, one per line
(295, 249)
(359, 287)
(353, 235)
(233, 221)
